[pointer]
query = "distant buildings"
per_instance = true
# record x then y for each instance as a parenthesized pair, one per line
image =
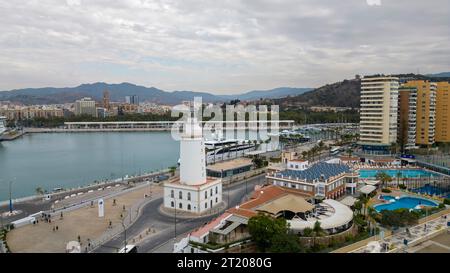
(16, 112)
(85, 106)
(106, 99)
(132, 99)
(378, 113)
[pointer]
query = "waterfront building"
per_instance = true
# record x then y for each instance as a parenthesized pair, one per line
(85, 106)
(443, 112)
(15, 112)
(192, 191)
(378, 113)
(407, 102)
(425, 111)
(319, 180)
(101, 112)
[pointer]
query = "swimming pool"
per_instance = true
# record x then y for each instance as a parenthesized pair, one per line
(406, 202)
(413, 173)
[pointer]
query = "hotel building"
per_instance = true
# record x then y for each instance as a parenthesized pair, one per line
(378, 113)
(443, 112)
(319, 180)
(426, 111)
(407, 101)
(85, 106)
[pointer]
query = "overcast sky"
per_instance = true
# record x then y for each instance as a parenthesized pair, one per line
(218, 46)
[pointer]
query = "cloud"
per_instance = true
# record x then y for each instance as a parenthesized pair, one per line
(217, 46)
(373, 2)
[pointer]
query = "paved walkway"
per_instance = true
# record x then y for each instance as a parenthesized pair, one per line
(416, 234)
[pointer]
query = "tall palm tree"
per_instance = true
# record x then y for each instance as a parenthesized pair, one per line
(399, 176)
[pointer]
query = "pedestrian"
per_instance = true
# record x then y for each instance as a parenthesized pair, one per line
(57, 228)
(53, 229)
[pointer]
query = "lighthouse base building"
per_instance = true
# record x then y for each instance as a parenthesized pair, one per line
(195, 199)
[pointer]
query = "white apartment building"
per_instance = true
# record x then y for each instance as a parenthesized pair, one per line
(85, 106)
(378, 113)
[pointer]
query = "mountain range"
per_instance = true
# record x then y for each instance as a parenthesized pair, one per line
(51, 95)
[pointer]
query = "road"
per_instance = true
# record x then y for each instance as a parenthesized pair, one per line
(39, 204)
(152, 218)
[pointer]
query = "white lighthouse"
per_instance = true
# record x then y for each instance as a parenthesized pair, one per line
(192, 154)
(193, 191)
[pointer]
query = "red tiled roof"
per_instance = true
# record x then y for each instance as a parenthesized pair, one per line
(206, 228)
(269, 193)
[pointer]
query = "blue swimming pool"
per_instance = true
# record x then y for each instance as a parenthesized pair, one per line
(393, 173)
(406, 202)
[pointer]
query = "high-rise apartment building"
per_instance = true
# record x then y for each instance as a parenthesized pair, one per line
(443, 112)
(426, 111)
(85, 106)
(407, 103)
(378, 113)
(132, 99)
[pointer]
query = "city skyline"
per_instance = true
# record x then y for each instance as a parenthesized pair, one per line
(219, 48)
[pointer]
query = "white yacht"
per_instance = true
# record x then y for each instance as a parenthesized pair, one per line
(2, 125)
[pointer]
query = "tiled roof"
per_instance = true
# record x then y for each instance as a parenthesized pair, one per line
(316, 171)
(268, 194)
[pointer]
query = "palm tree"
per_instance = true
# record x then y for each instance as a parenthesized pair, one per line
(399, 176)
(304, 154)
(349, 152)
(39, 191)
(384, 178)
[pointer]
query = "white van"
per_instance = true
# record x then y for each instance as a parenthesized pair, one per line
(128, 249)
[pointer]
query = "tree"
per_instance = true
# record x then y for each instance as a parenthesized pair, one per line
(39, 191)
(398, 218)
(349, 152)
(317, 228)
(384, 178)
(399, 176)
(264, 229)
(285, 243)
(304, 154)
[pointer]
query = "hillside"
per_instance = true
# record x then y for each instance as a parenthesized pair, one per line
(50, 95)
(340, 94)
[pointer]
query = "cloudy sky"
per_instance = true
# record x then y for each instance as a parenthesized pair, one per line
(225, 46)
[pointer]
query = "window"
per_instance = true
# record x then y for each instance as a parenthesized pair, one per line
(211, 192)
(172, 204)
(206, 205)
(217, 190)
(180, 205)
(189, 207)
(206, 194)
(180, 195)
(189, 196)
(217, 200)
(171, 194)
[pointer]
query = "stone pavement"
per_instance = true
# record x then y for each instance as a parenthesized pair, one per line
(416, 234)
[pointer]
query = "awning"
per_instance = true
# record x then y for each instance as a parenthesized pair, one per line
(349, 201)
(367, 189)
(288, 202)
